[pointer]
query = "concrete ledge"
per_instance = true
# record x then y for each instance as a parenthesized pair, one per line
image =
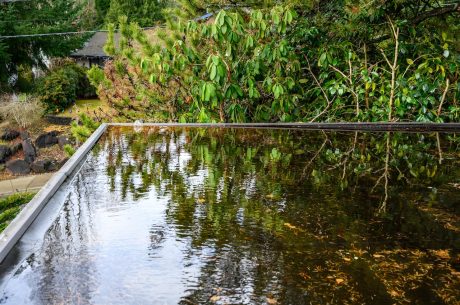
(372, 127)
(11, 235)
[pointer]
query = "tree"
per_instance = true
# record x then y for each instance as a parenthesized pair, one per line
(144, 12)
(237, 68)
(333, 62)
(39, 17)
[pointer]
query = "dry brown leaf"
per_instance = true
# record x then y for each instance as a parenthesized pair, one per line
(272, 301)
(442, 254)
(377, 255)
(292, 227)
(304, 275)
(394, 293)
(339, 281)
(214, 298)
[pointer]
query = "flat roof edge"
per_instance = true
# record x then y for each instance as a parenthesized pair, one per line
(16, 229)
(374, 126)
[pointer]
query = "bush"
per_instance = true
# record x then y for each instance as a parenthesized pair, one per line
(69, 150)
(61, 87)
(83, 128)
(25, 111)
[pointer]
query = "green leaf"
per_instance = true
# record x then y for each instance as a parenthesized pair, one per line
(228, 53)
(213, 74)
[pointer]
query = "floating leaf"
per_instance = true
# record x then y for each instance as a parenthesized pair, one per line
(214, 298)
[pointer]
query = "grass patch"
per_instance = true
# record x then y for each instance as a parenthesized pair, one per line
(85, 106)
(11, 205)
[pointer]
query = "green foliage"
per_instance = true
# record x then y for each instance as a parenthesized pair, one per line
(37, 17)
(385, 61)
(10, 207)
(60, 88)
(102, 6)
(69, 150)
(380, 62)
(82, 129)
(236, 69)
(144, 12)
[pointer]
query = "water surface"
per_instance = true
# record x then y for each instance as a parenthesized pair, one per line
(250, 216)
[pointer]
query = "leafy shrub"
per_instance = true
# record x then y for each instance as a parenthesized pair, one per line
(393, 61)
(69, 150)
(83, 128)
(61, 87)
(236, 69)
(25, 111)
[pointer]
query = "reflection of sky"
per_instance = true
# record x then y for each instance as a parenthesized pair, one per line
(127, 252)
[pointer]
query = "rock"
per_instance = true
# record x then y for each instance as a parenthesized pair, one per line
(41, 166)
(18, 167)
(25, 135)
(29, 151)
(5, 152)
(53, 166)
(47, 139)
(62, 162)
(15, 148)
(63, 140)
(9, 135)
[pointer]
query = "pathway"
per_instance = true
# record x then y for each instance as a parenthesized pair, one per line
(22, 184)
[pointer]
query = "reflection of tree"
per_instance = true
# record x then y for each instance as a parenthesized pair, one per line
(289, 215)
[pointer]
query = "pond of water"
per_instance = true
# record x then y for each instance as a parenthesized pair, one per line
(248, 216)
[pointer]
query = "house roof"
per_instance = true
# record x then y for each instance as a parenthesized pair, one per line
(95, 46)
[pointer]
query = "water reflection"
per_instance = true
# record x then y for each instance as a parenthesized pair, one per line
(248, 216)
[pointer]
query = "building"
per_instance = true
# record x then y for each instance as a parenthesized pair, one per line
(93, 51)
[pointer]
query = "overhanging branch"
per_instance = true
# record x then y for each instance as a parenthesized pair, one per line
(451, 8)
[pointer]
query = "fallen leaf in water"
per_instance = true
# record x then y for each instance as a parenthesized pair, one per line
(339, 281)
(442, 254)
(272, 301)
(201, 200)
(292, 227)
(214, 298)
(394, 293)
(304, 275)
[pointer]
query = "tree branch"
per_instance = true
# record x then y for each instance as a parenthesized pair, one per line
(436, 12)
